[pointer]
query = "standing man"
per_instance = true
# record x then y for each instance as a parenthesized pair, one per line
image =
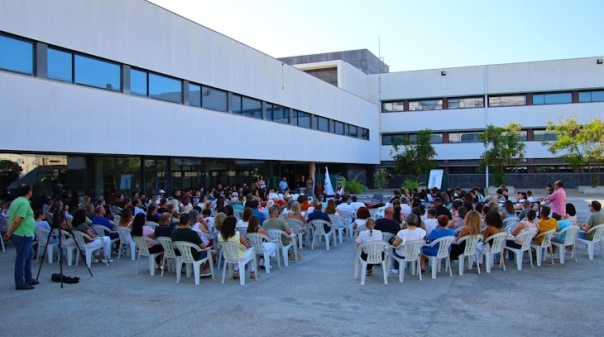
(558, 200)
(283, 185)
(21, 233)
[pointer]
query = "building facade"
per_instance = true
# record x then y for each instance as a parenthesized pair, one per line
(130, 96)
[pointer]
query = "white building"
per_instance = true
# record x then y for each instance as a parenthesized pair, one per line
(139, 98)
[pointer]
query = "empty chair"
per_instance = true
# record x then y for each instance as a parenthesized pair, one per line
(186, 256)
(545, 246)
(276, 236)
(42, 235)
(444, 243)
(338, 221)
(230, 254)
(376, 254)
(492, 246)
(413, 250)
(348, 219)
(126, 241)
(595, 233)
(69, 244)
(570, 236)
(142, 243)
(169, 253)
(524, 240)
(469, 252)
(319, 230)
(258, 241)
(298, 228)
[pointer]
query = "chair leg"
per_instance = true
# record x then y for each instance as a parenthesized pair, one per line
(267, 262)
(224, 267)
(433, 267)
(196, 272)
(385, 272)
(363, 272)
(151, 261)
(402, 265)
(242, 273)
(461, 261)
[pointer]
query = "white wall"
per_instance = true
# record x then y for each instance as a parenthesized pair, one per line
(142, 34)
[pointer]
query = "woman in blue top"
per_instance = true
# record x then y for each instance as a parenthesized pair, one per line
(438, 232)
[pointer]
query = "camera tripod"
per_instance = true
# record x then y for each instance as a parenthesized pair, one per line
(56, 224)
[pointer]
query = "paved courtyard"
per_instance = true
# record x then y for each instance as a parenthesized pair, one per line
(315, 297)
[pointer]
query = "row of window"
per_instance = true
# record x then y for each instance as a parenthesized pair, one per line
(17, 55)
(465, 137)
(494, 101)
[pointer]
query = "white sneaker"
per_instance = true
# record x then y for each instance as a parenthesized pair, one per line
(261, 263)
(394, 271)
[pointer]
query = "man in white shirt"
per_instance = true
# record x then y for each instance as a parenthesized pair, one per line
(345, 206)
(356, 204)
(405, 208)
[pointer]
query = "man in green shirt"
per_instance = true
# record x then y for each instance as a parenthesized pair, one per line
(595, 219)
(21, 233)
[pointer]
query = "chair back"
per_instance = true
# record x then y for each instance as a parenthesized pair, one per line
(386, 237)
(242, 231)
(375, 251)
(256, 240)
(362, 228)
(597, 233)
(185, 249)
(99, 230)
(571, 234)
(347, 217)
(471, 242)
(151, 224)
(166, 242)
(318, 226)
(524, 239)
(65, 235)
(276, 235)
(79, 238)
(413, 250)
(547, 238)
(230, 251)
(444, 243)
(380, 212)
(142, 243)
(296, 225)
(337, 220)
(238, 213)
(510, 223)
(125, 234)
(497, 242)
(42, 235)
(116, 210)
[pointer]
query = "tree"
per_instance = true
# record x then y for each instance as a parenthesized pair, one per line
(415, 157)
(9, 172)
(503, 149)
(579, 144)
(381, 178)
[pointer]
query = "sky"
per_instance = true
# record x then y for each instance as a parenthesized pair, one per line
(409, 34)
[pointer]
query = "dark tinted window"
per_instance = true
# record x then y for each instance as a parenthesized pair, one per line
(322, 124)
(60, 65)
(558, 98)
(352, 131)
(194, 95)
(16, 55)
(138, 82)
(214, 99)
(251, 107)
(236, 104)
(97, 73)
(304, 119)
(338, 128)
(365, 134)
(591, 96)
(281, 114)
(165, 88)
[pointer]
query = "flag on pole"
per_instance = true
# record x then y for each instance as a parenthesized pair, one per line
(328, 188)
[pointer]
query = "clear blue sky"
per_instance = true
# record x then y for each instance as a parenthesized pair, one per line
(418, 34)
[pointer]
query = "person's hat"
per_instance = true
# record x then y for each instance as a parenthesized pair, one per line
(162, 191)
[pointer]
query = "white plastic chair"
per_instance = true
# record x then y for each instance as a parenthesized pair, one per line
(299, 228)
(319, 231)
(151, 224)
(386, 236)
(413, 250)
(348, 219)
(238, 213)
(380, 212)
(545, 246)
(336, 220)
(80, 237)
(186, 256)
(69, 244)
(169, 253)
(42, 235)
(569, 240)
(275, 235)
(126, 240)
(509, 224)
(495, 246)
(524, 240)
(101, 231)
(230, 253)
(257, 241)
(376, 254)
(362, 228)
(143, 250)
(596, 233)
(444, 243)
(469, 252)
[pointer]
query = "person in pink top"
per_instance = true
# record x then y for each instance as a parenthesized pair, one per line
(557, 200)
